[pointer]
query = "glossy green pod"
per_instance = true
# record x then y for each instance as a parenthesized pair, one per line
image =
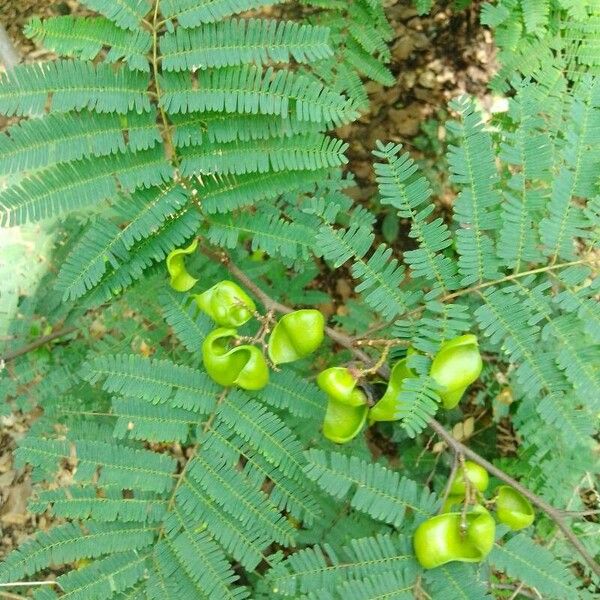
(244, 366)
(296, 335)
(455, 367)
(386, 408)
(227, 304)
(342, 423)
(475, 473)
(452, 504)
(180, 279)
(340, 385)
(513, 509)
(439, 540)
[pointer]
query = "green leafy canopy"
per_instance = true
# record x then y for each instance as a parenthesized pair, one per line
(164, 122)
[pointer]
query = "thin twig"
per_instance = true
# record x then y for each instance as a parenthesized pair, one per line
(166, 129)
(517, 590)
(37, 343)
(380, 362)
(588, 260)
(581, 513)
(380, 342)
(510, 587)
(446, 494)
(457, 447)
(29, 584)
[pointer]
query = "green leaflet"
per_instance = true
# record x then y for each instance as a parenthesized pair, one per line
(233, 42)
(249, 90)
(85, 38)
(190, 13)
(154, 380)
(522, 558)
(297, 153)
(74, 85)
(60, 189)
(182, 490)
(60, 138)
(125, 13)
(380, 492)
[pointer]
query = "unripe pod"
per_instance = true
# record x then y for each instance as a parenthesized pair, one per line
(340, 385)
(513, 509)
(296, 335)
(343, 423)
(181, 280)
(347, 408)
(227, 304)
(386, 408)
(476, 474)
(455, 367)
(244, 366)
(439, 540)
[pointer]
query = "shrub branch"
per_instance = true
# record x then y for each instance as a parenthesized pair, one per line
(458, 448)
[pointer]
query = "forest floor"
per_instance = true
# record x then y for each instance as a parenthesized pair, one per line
(435, 58)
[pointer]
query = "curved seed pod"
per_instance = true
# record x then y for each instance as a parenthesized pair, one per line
(296, 335)
(181, 280)
(340, 385)
(387, 407)
(343, 423)
(513, 509)
(227, 304)
(455, 367)
(476, 474)
(439, 540)
(244, 366)
(452, 504)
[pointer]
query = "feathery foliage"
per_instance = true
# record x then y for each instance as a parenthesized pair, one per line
(178, 120)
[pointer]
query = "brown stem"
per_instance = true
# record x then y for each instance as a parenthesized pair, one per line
(10, 596)
(446, 494)
(37, 343)
(457, 447)
(581, 513)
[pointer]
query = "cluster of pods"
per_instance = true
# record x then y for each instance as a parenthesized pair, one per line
(231, 362)
(465, 530)
(456, 366)
(228, 360)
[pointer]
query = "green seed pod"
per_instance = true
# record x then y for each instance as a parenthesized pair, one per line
(296, 335)
(340, 385)
(181, 280)
(439, 540)
(244, 366)
(227, 304)
(387, 407)
(455, 367)
(343, 423)
(347, 408)
(513, 509)
(452, 504)
(476, 474)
